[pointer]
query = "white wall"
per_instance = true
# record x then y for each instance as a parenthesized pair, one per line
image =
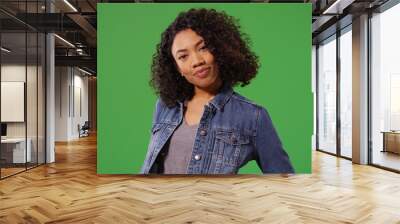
(80, 110)
(71, 102)
(62, 80)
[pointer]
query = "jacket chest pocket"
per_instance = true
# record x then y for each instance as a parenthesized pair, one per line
(227, 148)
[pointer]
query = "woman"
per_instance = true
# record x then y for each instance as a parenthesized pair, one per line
(200, 125)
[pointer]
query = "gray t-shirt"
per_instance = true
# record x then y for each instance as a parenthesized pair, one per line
(180, 149)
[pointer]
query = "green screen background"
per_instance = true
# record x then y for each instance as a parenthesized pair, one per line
(127, 38)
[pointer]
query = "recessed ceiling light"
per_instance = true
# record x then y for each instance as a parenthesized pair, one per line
(70, 5)
(84, 71)
(5, 49)
(337, 7)
(64, 40)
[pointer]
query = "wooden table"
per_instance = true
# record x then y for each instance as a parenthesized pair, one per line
(391, 141)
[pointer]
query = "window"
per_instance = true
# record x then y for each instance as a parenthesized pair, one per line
(327, 95)
(385, 88)
(346, 92)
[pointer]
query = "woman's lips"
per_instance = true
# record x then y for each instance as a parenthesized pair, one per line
(202, 73)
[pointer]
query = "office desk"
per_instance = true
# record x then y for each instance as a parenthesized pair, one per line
(391, 141)
(13, 150)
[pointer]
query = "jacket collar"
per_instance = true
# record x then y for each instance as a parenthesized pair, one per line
(219, 100)
(222, 97)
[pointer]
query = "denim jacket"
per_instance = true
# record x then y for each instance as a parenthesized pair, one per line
(231, 132)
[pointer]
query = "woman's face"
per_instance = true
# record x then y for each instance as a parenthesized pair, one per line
(194, 60)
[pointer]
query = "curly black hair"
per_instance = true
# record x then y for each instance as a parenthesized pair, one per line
(236, 63)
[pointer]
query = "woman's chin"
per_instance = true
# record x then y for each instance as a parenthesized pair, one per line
(207, 85)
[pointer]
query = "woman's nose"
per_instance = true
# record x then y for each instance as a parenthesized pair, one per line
(198, 60)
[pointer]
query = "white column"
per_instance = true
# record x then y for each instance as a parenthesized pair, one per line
(50, 92)
(360, 90)
(50, 99)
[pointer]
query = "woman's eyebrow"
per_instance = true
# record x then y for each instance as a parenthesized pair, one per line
(180, 50)
(199, 42)
(196, 45)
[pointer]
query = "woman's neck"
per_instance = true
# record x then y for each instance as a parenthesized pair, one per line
(207, 94)
(202, 95)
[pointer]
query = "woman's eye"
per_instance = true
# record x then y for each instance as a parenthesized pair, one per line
(204, 47)
(182, 57)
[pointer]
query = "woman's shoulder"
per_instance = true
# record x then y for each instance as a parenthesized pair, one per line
(244, 101)
(249, 107)
(164, 113)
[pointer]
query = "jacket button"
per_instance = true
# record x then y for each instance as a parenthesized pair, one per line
(203, 132)
(197, 157)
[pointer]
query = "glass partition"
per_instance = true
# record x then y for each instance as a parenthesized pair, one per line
(22, 88)
(14, 153)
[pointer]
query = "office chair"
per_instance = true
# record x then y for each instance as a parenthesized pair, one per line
(84, 130)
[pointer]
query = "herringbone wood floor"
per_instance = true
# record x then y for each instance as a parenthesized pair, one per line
(69, 191)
